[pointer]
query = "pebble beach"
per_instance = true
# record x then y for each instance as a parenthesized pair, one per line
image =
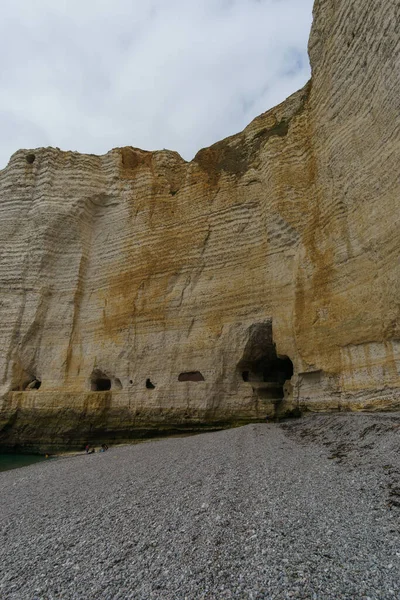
(306, 509)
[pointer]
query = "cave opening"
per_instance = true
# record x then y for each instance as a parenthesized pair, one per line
(99, 382)
(267, 375)
(191, 376)
(261, 367)
(34, 384)
(150, 385)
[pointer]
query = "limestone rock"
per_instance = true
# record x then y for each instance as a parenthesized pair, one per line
(140, 292)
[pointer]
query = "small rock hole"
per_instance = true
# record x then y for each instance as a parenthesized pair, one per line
(191, 376)
(99, 382)
(34, 384)
(149, 385)
(30, 158)
(101, 385)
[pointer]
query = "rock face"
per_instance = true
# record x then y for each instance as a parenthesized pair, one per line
(140, 291)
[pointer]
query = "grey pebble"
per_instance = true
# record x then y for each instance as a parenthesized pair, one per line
(307, 509)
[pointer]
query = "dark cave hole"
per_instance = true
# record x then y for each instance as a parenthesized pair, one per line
(268, 374)
(101, 385)
(275, 369)
(30, 158)
(149, 385)
(99, 382)
(260, 365)
(33, 385)
(191, 376)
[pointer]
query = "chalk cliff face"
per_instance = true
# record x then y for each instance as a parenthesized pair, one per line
(140, 291)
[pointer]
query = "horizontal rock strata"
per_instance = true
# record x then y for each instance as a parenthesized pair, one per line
(139, 291)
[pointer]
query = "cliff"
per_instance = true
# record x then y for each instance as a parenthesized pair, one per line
(139, 291)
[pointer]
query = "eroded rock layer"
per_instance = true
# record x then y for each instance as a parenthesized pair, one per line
(139, 291)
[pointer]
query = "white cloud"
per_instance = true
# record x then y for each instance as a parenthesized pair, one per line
(89, 75)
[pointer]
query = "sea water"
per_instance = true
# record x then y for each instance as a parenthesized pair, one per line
(13, 461)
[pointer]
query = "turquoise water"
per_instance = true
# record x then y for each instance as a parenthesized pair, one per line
(13, 461)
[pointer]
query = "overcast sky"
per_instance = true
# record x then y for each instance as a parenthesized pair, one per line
(89, 75)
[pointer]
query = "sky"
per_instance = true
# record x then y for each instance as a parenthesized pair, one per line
(90, 75)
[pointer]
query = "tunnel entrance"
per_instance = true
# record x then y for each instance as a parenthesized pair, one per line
(260, 365)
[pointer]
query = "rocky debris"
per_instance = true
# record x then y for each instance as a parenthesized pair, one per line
(358, 443)
(259, 512)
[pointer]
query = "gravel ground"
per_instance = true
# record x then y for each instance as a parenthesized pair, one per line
(307, 509)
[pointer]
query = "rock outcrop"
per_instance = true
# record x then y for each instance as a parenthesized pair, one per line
(140, 292)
